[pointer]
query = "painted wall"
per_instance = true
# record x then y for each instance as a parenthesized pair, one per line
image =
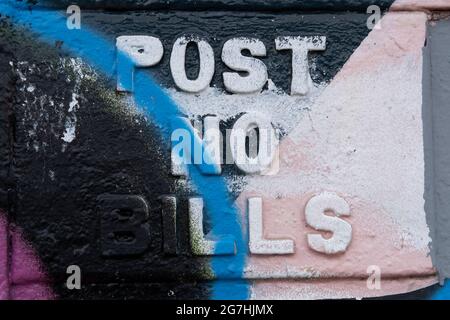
(87, 180)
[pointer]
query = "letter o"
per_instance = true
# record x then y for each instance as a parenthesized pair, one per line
(268, 143)
(177, 64)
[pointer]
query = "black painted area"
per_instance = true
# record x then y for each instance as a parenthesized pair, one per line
(7, 89)
(344, 32)
(253, 5)
(57, 183)
(139, 291)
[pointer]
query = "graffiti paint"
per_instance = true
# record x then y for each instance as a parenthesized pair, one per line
(88, 178)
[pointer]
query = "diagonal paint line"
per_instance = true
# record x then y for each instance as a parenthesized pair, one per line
(50, 26)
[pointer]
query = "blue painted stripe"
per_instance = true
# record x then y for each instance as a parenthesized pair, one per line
(50, 26)
(442, 293)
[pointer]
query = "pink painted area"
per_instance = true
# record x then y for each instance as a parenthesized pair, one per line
(21, 273)
(31, 291)
(25, 265)
(400, 35)
(326, 289)
(421, 5)
(4, 278)
(362, 139)
(374, 242)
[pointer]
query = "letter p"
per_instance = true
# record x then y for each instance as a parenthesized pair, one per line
(135, 51)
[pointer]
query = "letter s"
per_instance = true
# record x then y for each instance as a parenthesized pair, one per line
(232, 56)
(316, 218)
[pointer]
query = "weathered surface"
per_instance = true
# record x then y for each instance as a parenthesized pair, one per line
(363, 147)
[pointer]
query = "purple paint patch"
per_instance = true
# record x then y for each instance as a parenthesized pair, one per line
(4, 279)
(21, 274)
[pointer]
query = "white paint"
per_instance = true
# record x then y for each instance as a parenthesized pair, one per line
(300, 46)
(256, 70)
(285, 110)
(315, 214)
(268, 144)
(144, 51)
(31, 88)
(74, 103)
(284, 271)
(71, 122)
(362, 144)
(199, 244)
(180, 155)
(70, 131)
(257, 243)
(177, 64)
(212, 141)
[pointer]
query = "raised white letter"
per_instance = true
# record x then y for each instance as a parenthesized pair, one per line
(315, 211)
(256, 70)
(177, 64)
(300, 46)
(263, 162)
(257, 244)
(135, 51)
